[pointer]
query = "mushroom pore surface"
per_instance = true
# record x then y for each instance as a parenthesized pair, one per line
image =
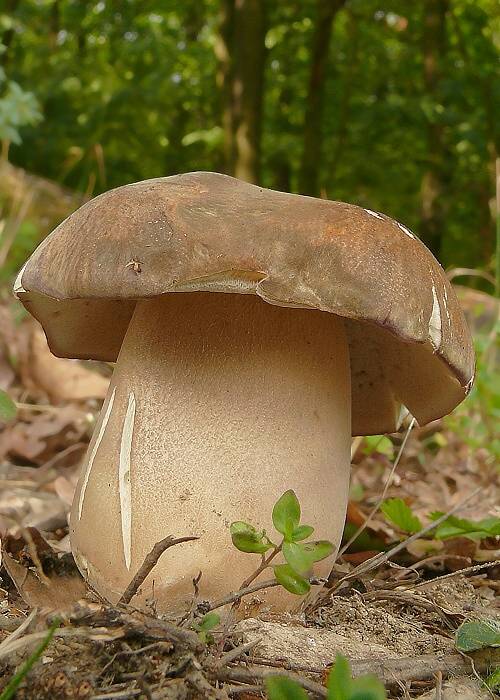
(218, 404)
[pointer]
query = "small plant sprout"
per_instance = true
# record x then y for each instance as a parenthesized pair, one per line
(205, 625)
(300, 556)
(340, 685)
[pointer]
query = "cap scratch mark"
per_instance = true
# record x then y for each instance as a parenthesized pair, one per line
(93, 453)
(435, 326)
(374, 213)
(124, 484)
(18, 284)
(405, 230)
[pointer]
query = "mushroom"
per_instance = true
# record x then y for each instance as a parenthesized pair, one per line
(295, 323)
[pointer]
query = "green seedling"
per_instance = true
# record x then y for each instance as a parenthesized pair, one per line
(300, 556)
(8, 408)
(11, 688)
(475, 635)
(204, 627)
(340, 685)
(398, 513)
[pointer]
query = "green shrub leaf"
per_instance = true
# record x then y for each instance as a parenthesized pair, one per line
(340, 680)
(296, 555)
(302, 532)
(461, 527)
(471, 636)
(283, 688)
(291, 580)
(209, 621)
(401, 515)
(247, 539)
(286, 514)
(8, 408)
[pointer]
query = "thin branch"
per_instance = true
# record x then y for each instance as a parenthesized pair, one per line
(251, 675)
(148, 565)
(384, 492)
(237, 652)
(468, 570)
(240, 593)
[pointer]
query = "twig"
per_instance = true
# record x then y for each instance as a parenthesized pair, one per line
(439, 685)
(148, 565)
(242, 592)
(468, 570)
(388, 482)
(383, 557)
(420, 668)
(235, 653)
(251, 675)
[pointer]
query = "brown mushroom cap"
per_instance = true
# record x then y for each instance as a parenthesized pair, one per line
(409, 342)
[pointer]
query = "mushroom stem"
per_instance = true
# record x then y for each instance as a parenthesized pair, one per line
(218, 404)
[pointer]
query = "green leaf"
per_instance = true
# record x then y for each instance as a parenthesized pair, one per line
(286, 514)
(298, 558)
(461, 527)
(247, 539)
(339, 680)
(401, 515)
(291, 580)
(321, 549)
(378, 443)
(302, 532)
(471, 636)
(10, 689)
(209, 621)
(283, 688)
(493, 680)
(367, 688)
(8, 408)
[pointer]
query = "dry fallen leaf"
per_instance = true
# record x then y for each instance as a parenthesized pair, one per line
(62, 592)
(60, 379)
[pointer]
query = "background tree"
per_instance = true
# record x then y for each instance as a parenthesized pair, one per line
(383, 103)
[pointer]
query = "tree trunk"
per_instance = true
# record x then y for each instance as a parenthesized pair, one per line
(313, 137)
(241, 54)
(433, 184)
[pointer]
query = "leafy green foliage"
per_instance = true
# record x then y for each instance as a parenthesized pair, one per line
(480, 634)
(493, 680)
(461, 527)
(286, 514)
(129, 93)
(247, 539)
(292, 581)
(18, 108)
(300, 556)
(340, 685)
(11, 688)
(8, 408)
(378, 443)
(206, 624)
(401, 515)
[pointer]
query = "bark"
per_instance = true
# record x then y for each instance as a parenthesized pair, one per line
(312, 135)
(241, 53)
(434, 180)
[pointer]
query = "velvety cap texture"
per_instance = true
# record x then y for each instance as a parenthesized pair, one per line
(409, 343)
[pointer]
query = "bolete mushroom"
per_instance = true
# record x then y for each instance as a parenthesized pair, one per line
(295, 323)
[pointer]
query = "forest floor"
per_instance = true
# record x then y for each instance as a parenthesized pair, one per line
(397, 619)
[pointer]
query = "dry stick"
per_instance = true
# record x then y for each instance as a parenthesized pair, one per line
(235, 653)
(384, 492)
(242, 592)
(251, 675)
(459, 572)
(148, 565)
(383, 557)
(421, 668)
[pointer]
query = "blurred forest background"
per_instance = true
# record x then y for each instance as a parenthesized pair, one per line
(384, 103)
